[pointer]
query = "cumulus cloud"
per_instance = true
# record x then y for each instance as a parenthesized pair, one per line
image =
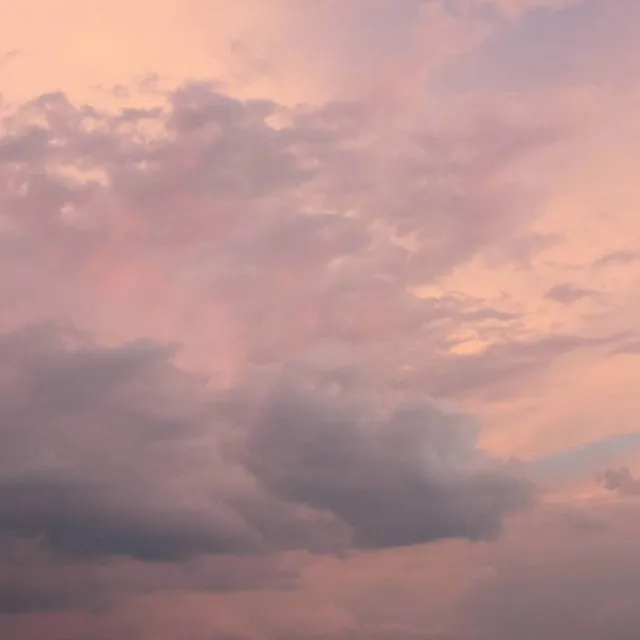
(114, 452)
(399, 474)
(77, 420)
(91, 442)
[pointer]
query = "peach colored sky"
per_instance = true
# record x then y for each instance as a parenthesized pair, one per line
(319, 319)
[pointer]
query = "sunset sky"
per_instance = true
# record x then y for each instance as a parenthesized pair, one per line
(319, 319)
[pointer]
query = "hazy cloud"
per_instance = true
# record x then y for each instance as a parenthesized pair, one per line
(621, 481)
(567, 293)
(615, 258)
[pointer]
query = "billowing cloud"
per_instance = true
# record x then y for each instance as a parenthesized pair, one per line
(100, 446)
(405, 476)
(114, 453)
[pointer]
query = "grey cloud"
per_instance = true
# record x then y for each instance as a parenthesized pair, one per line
(408, 475)
(621, 481)
(122, 474)
(91, 440)
(551, 579)
(112, 455)
(496, 371)
(83, 520)
(567, 293)
(110, 452)
(28, 584)
(615, 258)
(34, 578)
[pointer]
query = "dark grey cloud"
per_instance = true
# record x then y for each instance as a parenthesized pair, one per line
(399, 475)
(91, 440)
(81, 519)
(113, 480)
(114, 452)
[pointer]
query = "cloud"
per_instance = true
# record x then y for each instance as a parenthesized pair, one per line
(615, 258)
(559, 580)
(567, 293)
(234, 433)
(89, 438)
(249, 227)
(409, 475)
(498, 370)
(249, 234)
(35, 578)
(115, 427)
(511, 61)
(620, 481)
(114, 453)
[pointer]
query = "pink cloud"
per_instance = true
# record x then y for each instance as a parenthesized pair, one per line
(230, 294)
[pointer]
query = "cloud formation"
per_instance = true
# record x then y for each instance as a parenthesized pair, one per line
(409, 475)
(296, 299)
(96, 444)
(112, 453)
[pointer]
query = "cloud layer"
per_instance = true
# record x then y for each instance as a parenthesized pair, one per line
(319, 321)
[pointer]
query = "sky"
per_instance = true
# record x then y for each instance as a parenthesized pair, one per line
(319, 320)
